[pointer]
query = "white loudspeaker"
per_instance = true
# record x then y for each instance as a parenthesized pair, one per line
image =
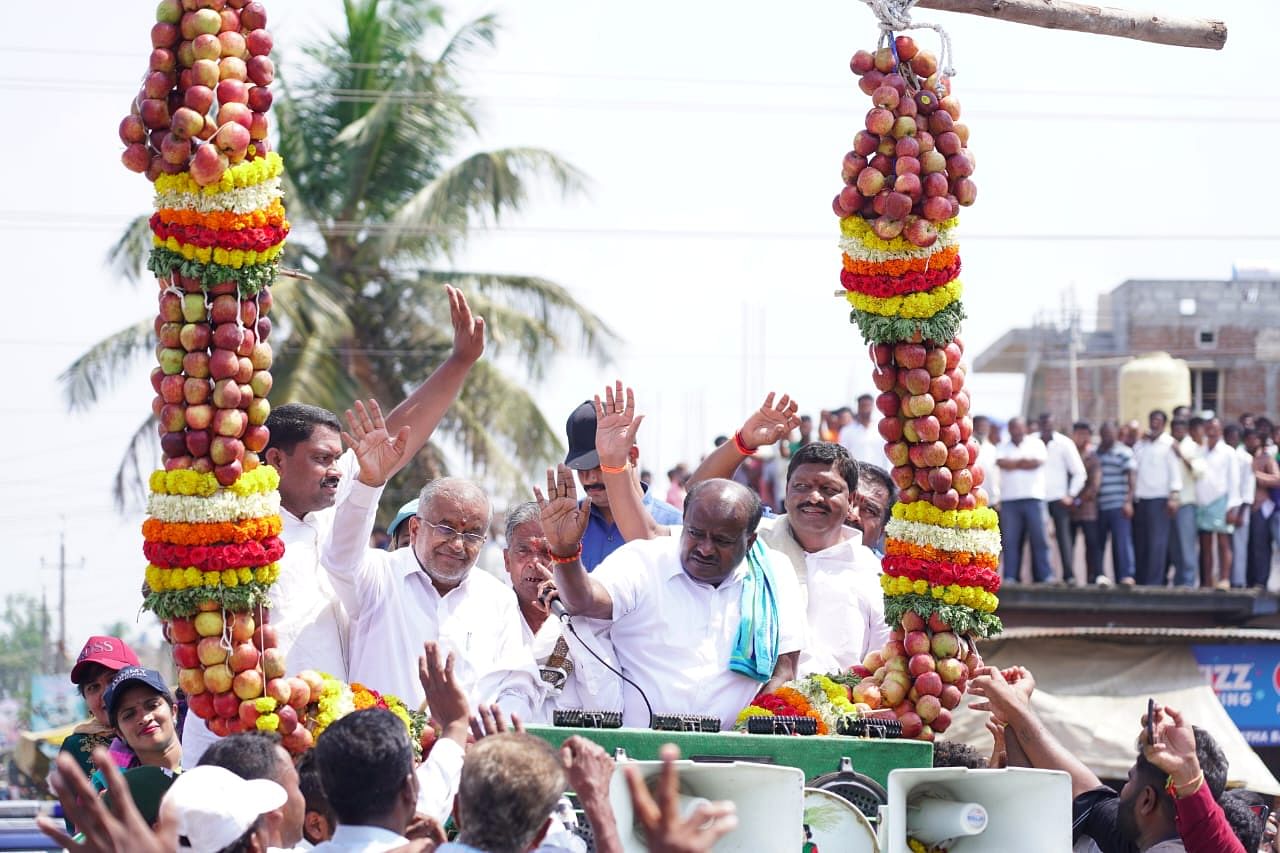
(978, 811)
(769, 800)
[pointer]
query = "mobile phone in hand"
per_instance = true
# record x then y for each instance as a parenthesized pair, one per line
(1151, 721)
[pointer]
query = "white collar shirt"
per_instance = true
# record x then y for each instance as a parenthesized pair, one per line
(1248, 483)
(395, 608)
(843, 601)
(1064, 473)
(590, 684)
(1221, 476)
(987, 462)
(674, 635)
(1017, 483)
(1159, 471)
(361, 839)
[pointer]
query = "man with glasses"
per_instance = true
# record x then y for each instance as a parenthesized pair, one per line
(426, 592)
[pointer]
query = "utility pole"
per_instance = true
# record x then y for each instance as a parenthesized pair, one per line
(1073, 349)
(60, 660)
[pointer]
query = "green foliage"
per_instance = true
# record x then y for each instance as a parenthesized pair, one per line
(381, 190)
(963, 620)
(22, 644)
(877, 329)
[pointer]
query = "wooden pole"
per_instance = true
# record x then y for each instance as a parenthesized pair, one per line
(1099, 20)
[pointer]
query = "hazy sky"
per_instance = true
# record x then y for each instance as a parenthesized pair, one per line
(713, 133)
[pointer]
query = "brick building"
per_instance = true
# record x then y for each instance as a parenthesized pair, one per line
(1227, 332)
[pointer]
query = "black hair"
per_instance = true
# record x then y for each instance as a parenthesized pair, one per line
(293, 423)
(364, 760)
(249, 755)
(1164, 416)
(1232, 429)
(311, 786)
(1179, 422)
(1263, 424)
(808, 418)
(862, 397)
(1243, 811)
(91, 672)
(1196, 422)
(867, 471)
(1213, 764)
(755, 509)
(1085, 425)
(720, 439)
(241, 844)
(952, 753)
(826, 453)
(843, 410)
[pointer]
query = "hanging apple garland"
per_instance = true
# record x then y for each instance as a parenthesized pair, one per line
(906, 179)
(198, 130)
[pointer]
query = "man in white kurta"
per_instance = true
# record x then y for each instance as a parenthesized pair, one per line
(676, 602)
(428, 591)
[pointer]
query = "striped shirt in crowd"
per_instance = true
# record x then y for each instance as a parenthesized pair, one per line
(1117, 461)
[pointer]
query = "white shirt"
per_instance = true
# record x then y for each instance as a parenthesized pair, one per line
(1248, 483)
(674, 635)
(590, 686)
(1159, 471)
(361, 839)
(1064, 472)
(843, 601)
(395, 608)
(438, 779)
(987, 462)
(1017, 484)
(1221, 476)
(311, 624)
(865, 443)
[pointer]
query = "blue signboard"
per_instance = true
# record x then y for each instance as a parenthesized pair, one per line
(1246, 678)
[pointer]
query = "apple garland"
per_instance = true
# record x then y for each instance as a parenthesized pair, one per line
(906, 179)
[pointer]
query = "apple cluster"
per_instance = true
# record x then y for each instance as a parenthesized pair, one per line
(227, 661)
(213, 377)
(921, 673)
(204, 100)
(927, 428)
(909, 169)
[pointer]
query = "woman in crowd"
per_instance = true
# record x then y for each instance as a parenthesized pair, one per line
(98, 662)
(144, 714)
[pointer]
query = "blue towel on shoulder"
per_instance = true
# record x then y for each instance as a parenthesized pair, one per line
(755, 649)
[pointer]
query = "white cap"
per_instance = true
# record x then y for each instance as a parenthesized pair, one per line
(213, 807)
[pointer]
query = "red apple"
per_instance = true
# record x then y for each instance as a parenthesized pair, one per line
(902, 475)
(224, 450)
(247, 684)
(273, 663)
(888, 403)
(199, 702)
(244, 656)
(909, 355)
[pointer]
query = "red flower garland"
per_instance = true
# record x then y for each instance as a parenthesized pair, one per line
(884, 286)
(941, 574)
(247, 239)
(214, 558)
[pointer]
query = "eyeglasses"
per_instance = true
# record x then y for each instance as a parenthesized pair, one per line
(470, 540)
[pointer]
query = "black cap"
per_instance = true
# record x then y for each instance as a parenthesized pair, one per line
(581, 432)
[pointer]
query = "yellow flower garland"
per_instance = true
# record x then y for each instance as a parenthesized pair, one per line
(965, 519)
(246, 174)
(970, 596)
(234, 258)
(184, 481)
(175, 580)
(857, 228)
(916, 306)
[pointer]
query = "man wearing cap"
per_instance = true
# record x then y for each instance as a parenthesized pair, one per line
(315, 477)
(398, 530)
(603, 537)
(214, 809)
(97, 664)
(428, 591)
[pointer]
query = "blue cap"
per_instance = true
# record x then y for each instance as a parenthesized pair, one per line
(133, 675)
(406, 512)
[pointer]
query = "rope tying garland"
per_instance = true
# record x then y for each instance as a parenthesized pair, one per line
(895, 15)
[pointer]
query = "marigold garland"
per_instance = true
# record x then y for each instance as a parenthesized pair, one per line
(962, 619)
(940, 574)
(224, 507)
(225, 220)
(249, 280)
(857, 228)
(886, 286)
(185, 533)
(925, 513)
(234, 258)
(184, 481)
(255, 239)
(945, 539)
(900, 548)
(162, 579)
(972, 597)
(335, 701)
(919, 306)
(940, 258)
(246, 174)
(242, 200)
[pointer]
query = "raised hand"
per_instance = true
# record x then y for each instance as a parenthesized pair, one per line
(446, 700)
(378, 453)
(588, 766)
(468, 329)
(563, 521)
(999, 697)
(664, 829)
(770, 423)
(119, 828)
(489, 720)
(1021, 680)
(616, 426)
(1173, 748)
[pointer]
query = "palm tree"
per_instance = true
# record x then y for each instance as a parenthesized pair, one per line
(379, 198)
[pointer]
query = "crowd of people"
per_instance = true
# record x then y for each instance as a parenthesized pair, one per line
(694, 609)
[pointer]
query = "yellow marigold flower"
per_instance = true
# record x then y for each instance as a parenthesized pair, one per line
(268, 722)
(244, 575)
(920, 587)
(913, 306)
(265, 705)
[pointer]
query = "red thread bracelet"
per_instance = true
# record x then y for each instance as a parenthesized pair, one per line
(571, 558)
(742, 448)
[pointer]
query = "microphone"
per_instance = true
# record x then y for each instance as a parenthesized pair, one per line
(550, 599)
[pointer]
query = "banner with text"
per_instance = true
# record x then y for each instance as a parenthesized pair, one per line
(1246, 678)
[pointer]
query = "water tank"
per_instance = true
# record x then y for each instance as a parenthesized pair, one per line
(1153, 381)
